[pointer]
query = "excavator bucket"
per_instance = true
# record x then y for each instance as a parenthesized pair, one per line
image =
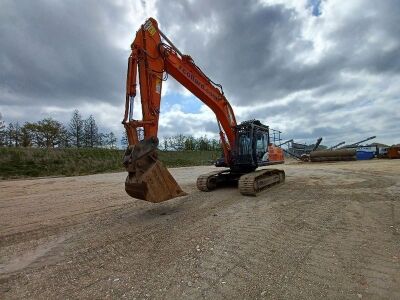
(147, 178)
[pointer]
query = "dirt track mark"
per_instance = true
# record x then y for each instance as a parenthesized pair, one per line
(29, 257)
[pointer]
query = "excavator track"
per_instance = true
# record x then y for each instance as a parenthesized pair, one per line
(208, 182)
(249, 184)
(252, 183)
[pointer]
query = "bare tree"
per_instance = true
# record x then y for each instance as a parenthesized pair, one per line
(2, 132)
(124, 140)
(190, 143)
(111, 140)
(90, 132)
(65, 139)
(10, 135)
(17, 134)
(26, 136)
(76, 129)
(177, 142)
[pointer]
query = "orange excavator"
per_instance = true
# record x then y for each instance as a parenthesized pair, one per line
(246, 146)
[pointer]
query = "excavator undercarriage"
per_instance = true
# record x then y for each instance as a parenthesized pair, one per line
(249, 184)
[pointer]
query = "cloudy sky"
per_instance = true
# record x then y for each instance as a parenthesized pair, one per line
(309, 68)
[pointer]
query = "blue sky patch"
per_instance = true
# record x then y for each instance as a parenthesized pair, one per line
(189, 104)
(316, 7)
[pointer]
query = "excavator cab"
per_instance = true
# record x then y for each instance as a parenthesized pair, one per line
(253, 148)
(252, 145)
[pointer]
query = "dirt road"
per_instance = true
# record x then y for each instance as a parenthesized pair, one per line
(332, 230)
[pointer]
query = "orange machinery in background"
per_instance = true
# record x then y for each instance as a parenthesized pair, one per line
(393, 152)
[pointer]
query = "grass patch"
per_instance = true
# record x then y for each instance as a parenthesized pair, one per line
(32, 162)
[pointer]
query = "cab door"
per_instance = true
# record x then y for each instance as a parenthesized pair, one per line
(261, 147)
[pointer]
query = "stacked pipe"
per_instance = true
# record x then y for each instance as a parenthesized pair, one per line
(333, 155)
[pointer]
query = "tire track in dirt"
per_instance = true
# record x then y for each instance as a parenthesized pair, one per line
(256, 253)
(107, 247)
(350, 249)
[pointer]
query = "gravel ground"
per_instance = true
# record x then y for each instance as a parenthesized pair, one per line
(330, 231)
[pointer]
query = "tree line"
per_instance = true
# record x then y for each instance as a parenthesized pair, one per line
(50, 133)
(181, 142)
(84, 133)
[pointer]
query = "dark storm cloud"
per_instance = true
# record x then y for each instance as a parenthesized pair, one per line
(249, 50)
(60, 52)
(253, 48)
(363, 40)
(333, 121)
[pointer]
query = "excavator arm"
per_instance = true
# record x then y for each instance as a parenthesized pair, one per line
(153, 59)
